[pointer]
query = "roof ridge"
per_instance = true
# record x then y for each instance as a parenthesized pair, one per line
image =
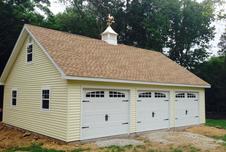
(64, 32)
(95, 39)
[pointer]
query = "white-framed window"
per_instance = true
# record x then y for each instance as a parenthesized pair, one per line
(29, 52)
(95, 94)
(145, 95)
(116, 94)
(180, 95)
(160, 95)
(14, 97)
(191, 95)
(45, 99)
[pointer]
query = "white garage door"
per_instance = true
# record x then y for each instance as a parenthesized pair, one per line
(187, 109)
(152, 110)
(104, 113)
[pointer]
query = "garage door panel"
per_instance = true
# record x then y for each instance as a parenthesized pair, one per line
(187, 109)
(152, 110)
(105, 114)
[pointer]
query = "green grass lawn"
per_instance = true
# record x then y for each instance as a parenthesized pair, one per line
(216, 123)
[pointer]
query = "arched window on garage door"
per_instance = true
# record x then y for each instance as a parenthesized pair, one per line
(160, 95)
(95, 94)
(116, 94)
(145, 95)
(191, 95)
(180, 95)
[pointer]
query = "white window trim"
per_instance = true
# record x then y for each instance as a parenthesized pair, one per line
(30, 43)
(50, 94)
(11, 98)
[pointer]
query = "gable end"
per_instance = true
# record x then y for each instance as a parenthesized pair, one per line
(16, 50)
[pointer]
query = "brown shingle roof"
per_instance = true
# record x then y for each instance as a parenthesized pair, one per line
(86, 57)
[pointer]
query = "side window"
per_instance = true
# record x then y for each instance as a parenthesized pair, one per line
(191, 95)
(95, 94)
(145, 95)
(14, 98)
(115, 94)
(45, 99)
(180, 95)
(29, 52)
(160, 95)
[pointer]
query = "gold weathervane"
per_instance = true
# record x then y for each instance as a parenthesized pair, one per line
(110, 20)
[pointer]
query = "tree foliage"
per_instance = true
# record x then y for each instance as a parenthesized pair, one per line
(214, 72)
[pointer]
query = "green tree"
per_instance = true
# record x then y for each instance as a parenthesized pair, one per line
(191, 33)
(214, 72)
(13, 15)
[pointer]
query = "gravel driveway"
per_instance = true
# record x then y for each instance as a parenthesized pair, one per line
(183, 138)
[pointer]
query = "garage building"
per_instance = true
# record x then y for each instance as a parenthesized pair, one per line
(72, 87)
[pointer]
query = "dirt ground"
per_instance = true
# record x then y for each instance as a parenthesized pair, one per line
(207, 131)
(12, 137)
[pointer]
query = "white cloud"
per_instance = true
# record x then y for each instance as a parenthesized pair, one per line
(56, 6)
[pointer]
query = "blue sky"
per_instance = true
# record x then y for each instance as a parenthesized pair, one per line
(57, 7)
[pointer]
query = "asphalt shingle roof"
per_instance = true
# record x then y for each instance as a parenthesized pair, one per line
(86, 57)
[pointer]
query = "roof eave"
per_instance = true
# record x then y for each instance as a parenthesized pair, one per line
(133, 82)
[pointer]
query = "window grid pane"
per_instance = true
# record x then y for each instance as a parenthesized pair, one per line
(45, 99)
(115, 94)
(95, 94)
(14, 97)
(29, 53)
(191, 95)
(45, 104)
(180, 95)
(14, 101)
(145, 95)
(160, 95)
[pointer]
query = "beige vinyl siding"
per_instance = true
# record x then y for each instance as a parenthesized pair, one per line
(74, 111)
(75, 93)
(29, 79)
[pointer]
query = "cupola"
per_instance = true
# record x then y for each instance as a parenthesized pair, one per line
(109, 35)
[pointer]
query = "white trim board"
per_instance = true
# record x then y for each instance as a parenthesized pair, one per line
(132, 82)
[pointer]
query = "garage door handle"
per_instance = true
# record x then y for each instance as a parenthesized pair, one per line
(85, 127)
(176, 118)
(125, 100)
(196, 100)
(126, 123)
(166, 100)
(138, 121)
(166, 119)
(196, 116)
(85, 101)
(138, 100)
